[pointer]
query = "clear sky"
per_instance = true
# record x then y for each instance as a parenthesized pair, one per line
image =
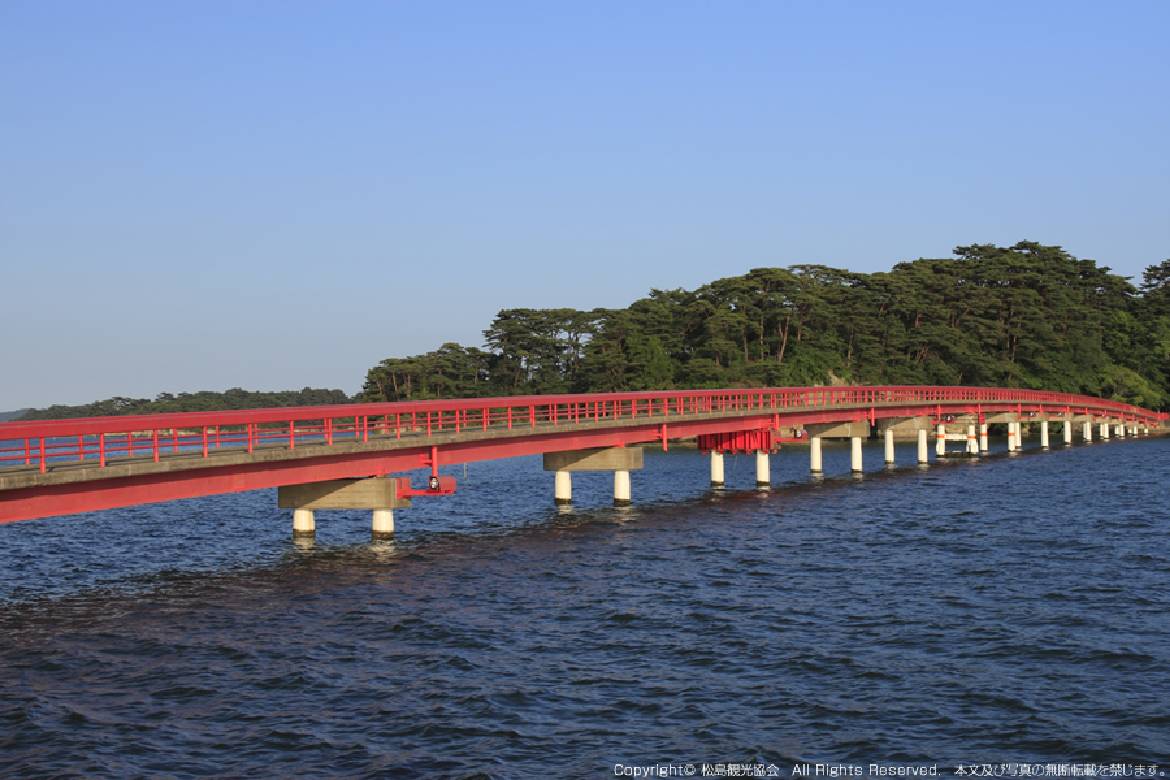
(199, 195)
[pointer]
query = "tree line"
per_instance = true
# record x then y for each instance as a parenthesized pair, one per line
(200, 401)
(1028, 316)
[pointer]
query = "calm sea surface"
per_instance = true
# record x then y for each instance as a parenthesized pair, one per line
(1011, 609)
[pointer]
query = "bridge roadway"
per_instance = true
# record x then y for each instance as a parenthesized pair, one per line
(70, 466)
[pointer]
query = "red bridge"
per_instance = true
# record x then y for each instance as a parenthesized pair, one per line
(339, 456)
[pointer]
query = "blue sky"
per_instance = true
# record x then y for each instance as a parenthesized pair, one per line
(278, 194)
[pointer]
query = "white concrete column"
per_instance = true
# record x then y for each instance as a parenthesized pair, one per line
(562, 488)
(1103, 430)
(382, 525)
(1013, 436)
(972, 440)
(1087, 431)
(984, 444)
(940, 440)
(303, 523)
(1043, 434)
(1120, 430)
(814, 455)
(621, 488)
(855, 455)
(763, 470)
(889, 446)
(923, 450)
(1067, 432)
(716, 469)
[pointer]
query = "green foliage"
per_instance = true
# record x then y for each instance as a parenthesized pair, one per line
(1028, 315)
(200, 401)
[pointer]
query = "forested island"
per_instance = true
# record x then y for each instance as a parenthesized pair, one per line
(200, 401)
(1028, 315)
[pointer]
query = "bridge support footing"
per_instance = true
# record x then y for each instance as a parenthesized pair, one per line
(940, 441)
(923, 449)
(1067, 432)
(304, 524)
(815, 463)
(855, 464)
(562, 488)
(382, 524)
(716, 469)
(621, 488)
(889, 446)
(972, 440)
(1043, 434)
(763, 471)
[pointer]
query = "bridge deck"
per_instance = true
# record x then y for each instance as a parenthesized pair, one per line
(64, 466)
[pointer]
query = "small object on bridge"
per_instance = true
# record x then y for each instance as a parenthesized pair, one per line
(436, 486)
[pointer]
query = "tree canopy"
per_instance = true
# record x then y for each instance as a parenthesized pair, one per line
(1028, 315)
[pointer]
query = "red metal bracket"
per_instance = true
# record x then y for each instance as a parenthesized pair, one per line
(439, 486)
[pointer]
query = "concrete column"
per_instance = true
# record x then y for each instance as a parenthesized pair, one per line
(814, 455)
(382, 526)
(1043, 434)
(1120, 430)
(923, 451)
(1087, 431)
(1067, 432)
(621, 488)
(304, 525)
(972, 440)
(855, 455)
(984, 444)
(889, 446)
(716, 469)
(763, 470)
(1103, 430)
(940, 441)
(1013, 436)
(562, 488)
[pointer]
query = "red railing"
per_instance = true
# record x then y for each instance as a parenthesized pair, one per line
(36, 444)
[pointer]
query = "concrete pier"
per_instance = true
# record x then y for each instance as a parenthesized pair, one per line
(377, 494)
(923, 450)
(562, 488)
(621, 488)
(1013, 436)
(940, 441)
(1067, 426)
(888, 438)
(304, 523)
(620, 460)
(382, 526)
(1103, 431)
(1043, 434)
(1120, 430)
(716, 469)
(984, 443)
(972, 440)
(1087, 431)
(763, 470)
(815, 464)
(855, 463)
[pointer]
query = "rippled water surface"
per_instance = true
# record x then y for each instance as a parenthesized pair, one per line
(1011, 609)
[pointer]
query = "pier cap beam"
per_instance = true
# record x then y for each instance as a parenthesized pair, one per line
(610, 459)
(371, 493)
(848, 430)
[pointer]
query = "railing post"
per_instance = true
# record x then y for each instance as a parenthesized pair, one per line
(42, 446)
(154, 444)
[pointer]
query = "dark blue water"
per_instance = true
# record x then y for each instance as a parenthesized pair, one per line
(1011, 609)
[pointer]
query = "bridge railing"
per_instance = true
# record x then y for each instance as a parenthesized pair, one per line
(98, 440)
